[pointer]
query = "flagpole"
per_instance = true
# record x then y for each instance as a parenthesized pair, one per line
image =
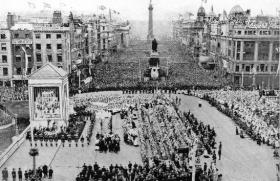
(278, 72)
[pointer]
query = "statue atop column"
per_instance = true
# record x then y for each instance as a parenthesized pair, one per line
(154, 45)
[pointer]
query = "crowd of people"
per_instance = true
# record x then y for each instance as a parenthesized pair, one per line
(163, 132)
(128, 73)
(256, 115)
(109, 142)
(5, 118)
(13, 93)
(51, 134)
(130, 128)
(41, 173)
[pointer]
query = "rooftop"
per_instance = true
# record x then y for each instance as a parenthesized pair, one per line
(48, 71)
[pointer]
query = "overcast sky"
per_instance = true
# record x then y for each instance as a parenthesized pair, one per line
(137, 9)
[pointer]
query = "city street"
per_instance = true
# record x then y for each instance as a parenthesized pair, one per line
(242, 159)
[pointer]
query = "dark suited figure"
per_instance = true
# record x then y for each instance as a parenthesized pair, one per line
(14, 174)
(220, 150)
(19, 174)
(154, 45)
(50, 173)
(5, 174)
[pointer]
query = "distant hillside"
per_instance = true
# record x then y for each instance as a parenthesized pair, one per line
(162, 29)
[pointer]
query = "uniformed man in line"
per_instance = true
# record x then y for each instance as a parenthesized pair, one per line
(19, 174)
(5, 174)
(14, 174)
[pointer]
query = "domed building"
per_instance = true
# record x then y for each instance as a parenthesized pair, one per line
(201, 14)
(201, 11)
(212, 13)
(236, 11)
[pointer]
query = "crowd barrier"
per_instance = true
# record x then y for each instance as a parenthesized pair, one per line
(13, 147)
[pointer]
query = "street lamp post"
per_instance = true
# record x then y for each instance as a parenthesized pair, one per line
(34, 152)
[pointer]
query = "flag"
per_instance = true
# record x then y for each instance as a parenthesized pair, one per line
(242, 79)
(102, 7)
(190, 14)
(26, 59)
(278, 69)
(47, 5)
(31, 5)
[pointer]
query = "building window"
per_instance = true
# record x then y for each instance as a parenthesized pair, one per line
(38, 57)
(3, 46)
(29, 70)
(59, 46)
(18, 58)
(16, 35)
(58, 36)
(5, 71)
(4, 59)
(18, 71)
(275, 51)
(263, 51)
(50, 58)
(17, 48)
(60, 66)
(59, 57)
(248, 50)
(3, 36)
(237, 68)
(38, 46)
(262, 69)
(26, 35)
(48, 36)
(37, 36)
(29, 58)
(49, 46)
(38, 67)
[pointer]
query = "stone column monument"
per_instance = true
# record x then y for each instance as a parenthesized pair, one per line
(150, 28)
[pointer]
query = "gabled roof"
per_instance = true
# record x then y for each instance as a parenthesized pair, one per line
(48, 71)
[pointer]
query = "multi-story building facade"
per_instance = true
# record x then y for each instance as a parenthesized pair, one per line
(78, 40)
(248, 47)
(5, 58)
(27, 45)
(51, 43)
(22, 52)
